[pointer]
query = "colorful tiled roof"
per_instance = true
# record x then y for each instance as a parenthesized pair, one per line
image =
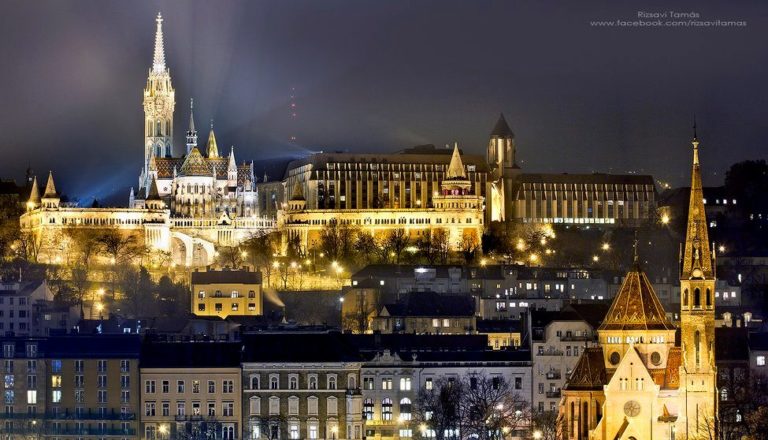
(589, 373)
(636, 306)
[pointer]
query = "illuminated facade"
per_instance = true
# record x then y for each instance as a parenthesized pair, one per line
(186, 206)
(638, 383)
(579, 199)
(416, 190)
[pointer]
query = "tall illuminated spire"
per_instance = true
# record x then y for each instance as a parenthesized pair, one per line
(697, 257)
(192, 132)
(158, 63)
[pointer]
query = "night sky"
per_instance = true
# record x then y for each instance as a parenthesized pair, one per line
(381, 76)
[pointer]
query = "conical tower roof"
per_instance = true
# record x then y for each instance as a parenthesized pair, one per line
(195, 164)
(697, 257)
(456, 167)
(636, 306)
(298, 191)
(153, 193)
(213, 149)
(34, 193)
(50, 187)
(501, 129)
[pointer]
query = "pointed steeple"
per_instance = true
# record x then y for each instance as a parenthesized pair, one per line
(50, 187)
(158, 62)
(192, 132)
(232, 167)
(34, 194)
(501, 129)
(153, 193)
(697, 257)
(298, 191)
(213, 149)
(456, 167)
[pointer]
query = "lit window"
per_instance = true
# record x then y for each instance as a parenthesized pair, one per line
(761, 361)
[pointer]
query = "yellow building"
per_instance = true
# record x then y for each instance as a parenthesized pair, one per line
(227, 293)
(502, 333)
(638, 383)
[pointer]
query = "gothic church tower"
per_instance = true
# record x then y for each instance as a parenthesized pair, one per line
(159, 102)
(697, 317)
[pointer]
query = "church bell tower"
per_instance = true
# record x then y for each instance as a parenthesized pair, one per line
(697, 315)
(159, 102)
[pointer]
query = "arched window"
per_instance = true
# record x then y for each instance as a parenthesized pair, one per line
(313, 382)
(709, 298)
(332, 382)
(273, 383)
(368, 409)
(386, 409)
(685, 298)
(254, 382)
(405, 408)
(697, 298)
(158, 129)
(293, 383)
(351, 382)
(697, 346)
(255, 406)
(724, 394)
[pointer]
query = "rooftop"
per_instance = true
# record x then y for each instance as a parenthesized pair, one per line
(226, 277)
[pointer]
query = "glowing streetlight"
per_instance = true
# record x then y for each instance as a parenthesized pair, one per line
(483, 262)
(537, 435)
(595, 258)
(99, 307)
(606, 246)
(163, 429)
(243, 254)
(534, 258)
(721, 249)
(293, 265)
(665, 219)
(275, 264)
(520, 246)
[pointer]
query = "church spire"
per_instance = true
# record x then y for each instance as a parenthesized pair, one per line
(192, 132)
(456, 167)
(697, 261)
(158, 62)
(213, 149)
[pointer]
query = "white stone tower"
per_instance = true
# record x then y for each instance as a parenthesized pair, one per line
(159, 102)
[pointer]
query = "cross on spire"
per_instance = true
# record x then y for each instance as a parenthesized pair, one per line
(158, 62)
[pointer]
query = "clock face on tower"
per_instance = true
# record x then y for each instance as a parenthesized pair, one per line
(631, 408)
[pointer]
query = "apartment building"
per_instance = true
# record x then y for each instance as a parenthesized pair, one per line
(301, 386)
(191, 390)
(557, 340)
(91, 386)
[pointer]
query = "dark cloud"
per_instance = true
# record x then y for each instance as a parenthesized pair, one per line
(380, 76)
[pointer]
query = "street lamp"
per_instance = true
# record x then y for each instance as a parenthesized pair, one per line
(595, 258)
(606, 246)
(537, 435)
(334, 431)
(665, 219)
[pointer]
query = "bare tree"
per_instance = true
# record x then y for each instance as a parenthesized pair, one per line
(492, 407)
(365, 247)
(231, 256)
(438, 411)
(395, 243)
(546, 423)
(469, 244)
(120, 250)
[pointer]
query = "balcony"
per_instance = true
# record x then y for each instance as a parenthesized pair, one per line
(576, 338)
(550, 352)
(89, 431)
(66, 415)
(553, 375)
(553, 394)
